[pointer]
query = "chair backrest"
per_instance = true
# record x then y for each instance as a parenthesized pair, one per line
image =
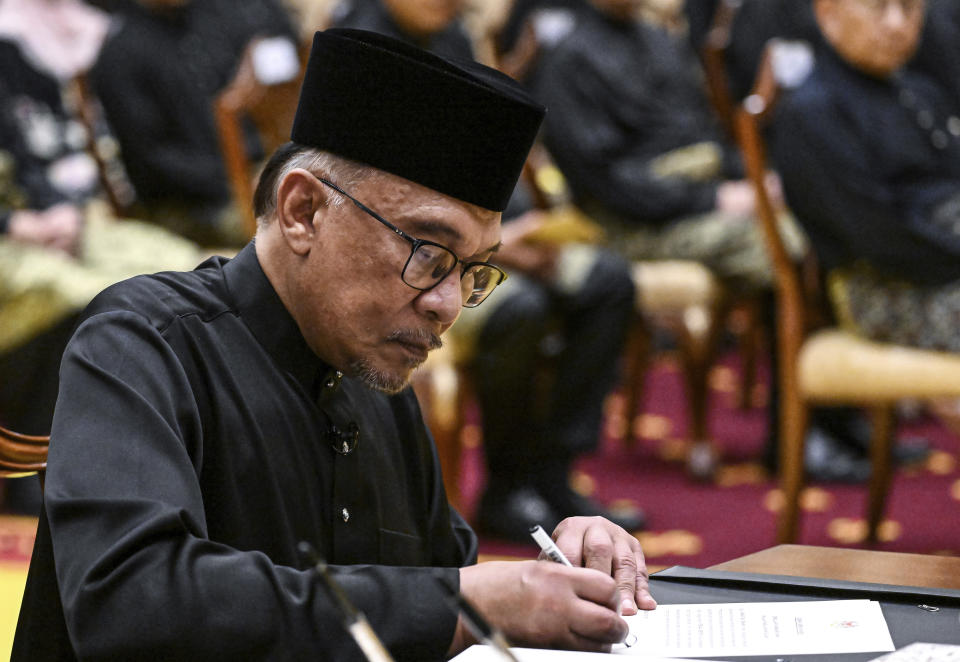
(800, 303)
(714, 54)
(102, 147)
(22, 455)
(269, 99)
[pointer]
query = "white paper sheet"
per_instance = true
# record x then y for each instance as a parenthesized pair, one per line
(488, 654)
(759, 628)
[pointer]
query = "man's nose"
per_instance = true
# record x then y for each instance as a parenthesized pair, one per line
(895, 14)
(443, 302)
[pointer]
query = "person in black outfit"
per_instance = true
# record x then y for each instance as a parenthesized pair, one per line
(869, 149)
(157, 77)
(209, 421)
(427, 24)
(546, 349)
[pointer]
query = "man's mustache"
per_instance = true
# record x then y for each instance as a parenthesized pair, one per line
(419, 337)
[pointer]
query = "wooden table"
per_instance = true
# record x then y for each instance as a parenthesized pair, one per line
(857, 565)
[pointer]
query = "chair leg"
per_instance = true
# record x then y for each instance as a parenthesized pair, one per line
(636, 364)
(750, 343)
(881, 452)
(698, 342)
(793, 428)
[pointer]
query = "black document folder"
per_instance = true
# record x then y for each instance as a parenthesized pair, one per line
(913, 614)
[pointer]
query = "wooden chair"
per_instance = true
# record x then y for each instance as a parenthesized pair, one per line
(22, 455)
(271, 108)
(828, 365)
(713, 53)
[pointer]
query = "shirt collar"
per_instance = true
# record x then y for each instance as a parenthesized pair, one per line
(272, 325)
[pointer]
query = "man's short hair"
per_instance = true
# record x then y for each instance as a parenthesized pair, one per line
(291, 156)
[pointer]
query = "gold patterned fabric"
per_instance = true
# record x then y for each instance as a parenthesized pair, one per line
(893, 310)
(730, 246)
(40, 287)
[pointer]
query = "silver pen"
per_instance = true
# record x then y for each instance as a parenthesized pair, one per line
(554, 554)
(548, 546)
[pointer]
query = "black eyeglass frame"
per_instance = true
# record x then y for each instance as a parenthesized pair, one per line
(416, 243)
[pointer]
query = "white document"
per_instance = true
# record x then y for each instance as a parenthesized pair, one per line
(923, 653)
(490, 654)
(759, 628)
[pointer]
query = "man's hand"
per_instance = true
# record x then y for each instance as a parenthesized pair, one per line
(544, 604)
(739, 197)
(595, 542)
(535, 260)
(57, 228)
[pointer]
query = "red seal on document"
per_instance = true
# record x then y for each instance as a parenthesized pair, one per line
(845, 625)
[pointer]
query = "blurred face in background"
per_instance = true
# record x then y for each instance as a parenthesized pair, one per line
(875, 36)
(423, 18)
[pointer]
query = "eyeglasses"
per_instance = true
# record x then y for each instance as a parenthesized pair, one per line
(429, 262)
(880, 7)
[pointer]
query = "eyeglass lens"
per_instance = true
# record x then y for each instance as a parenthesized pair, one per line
(430, 263)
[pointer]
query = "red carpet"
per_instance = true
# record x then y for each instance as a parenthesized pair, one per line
(699, 525)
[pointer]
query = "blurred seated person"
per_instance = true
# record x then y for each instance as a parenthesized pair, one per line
(432, 25)
(59, 245)
(631, 129)
(869, 151)
(578, 297)
(157, 76)
(528, 12)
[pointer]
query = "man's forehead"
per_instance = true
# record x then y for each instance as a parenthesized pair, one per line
(404, 195)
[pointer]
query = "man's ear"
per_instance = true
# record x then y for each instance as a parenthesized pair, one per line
(299, 197)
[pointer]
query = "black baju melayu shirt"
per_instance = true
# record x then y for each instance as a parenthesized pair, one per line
(866, 162)
(621, 94)
(196, 441)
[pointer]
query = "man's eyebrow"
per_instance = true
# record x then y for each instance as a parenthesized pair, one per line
(421, 226)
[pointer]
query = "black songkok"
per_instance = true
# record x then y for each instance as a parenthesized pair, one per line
(459, 128)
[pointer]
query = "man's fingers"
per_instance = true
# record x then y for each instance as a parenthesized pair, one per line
(598, 547)
(643, 597)
(642, 587)
(597, 625)
(627, 566)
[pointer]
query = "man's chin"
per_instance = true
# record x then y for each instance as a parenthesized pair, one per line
(389, 382)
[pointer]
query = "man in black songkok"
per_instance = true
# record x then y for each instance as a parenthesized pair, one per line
(210, 421)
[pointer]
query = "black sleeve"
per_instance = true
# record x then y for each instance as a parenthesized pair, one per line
(138, 576)
(837, 191)
(585, 136)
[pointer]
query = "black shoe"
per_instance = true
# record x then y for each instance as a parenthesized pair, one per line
(828, 460)
(570, 503)
(511, 515)
(911, 450)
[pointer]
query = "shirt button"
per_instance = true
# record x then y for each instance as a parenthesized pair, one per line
(333, 381)
(345, 514)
